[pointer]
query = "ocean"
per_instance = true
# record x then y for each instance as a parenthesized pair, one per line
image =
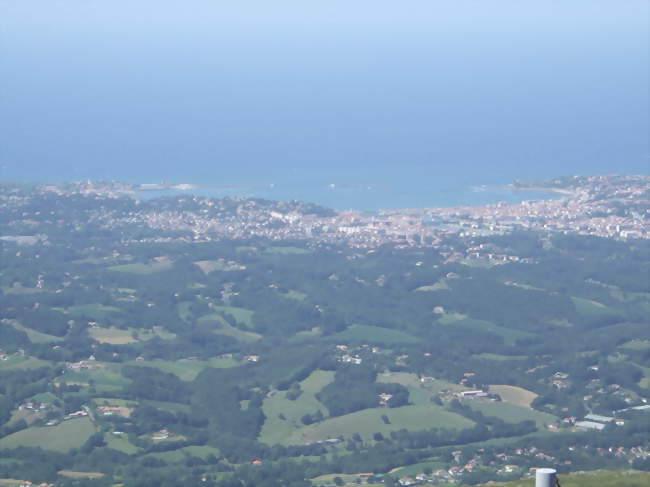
(347, 104)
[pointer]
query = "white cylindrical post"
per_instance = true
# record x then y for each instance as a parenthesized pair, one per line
(545, 477)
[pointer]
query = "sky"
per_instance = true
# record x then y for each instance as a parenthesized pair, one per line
(259, 91)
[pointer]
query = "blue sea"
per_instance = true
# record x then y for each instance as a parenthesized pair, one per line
(368, 104)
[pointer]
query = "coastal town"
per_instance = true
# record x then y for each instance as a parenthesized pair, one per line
(603, 206)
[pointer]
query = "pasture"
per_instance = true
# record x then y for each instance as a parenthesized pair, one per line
(590, 307)
(275, 430)
(514, 395)
(118, 336)
(284, 250)
(242, 315)
(509, 335)
(140, 268)
(23, 362)
(510, 413)
(33, 335)
(80, 475)
(372, 334)
(225, 328)
(182, 454)
(185, 369)
(369, 421)
(120, 443)
(94, 311)
(60, 438)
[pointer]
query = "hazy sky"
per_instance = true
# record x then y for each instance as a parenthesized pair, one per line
(128, 84)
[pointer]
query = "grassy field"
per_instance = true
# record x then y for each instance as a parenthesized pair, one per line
(590, 307)
(142, 268)
(35, 336)
(368, 422)
(120, 443)
(287, 250)
(80, 475)
(242, 315)
(412, 470)
(298, 296)
(61, 438)
(105, 377)
(411, 380)
(509, 335)
(515, 395)
(177, 456)
(112, 336)
(499, 357)
(20, 362)
(275, 430)
(628, 478)
(209, 266)
(186, 369)
(173, 407)
(225, 328)
(118, 336)
(510, 413)
(94, 311)
(636, 345)
(372, 334)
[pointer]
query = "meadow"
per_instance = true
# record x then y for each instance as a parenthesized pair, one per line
(372, 334)
(61, 438)
(275, 429)
(369, 421)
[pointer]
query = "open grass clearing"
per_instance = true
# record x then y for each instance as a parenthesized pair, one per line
(186, 369)
(225, 328)
(514, 395)
(242, 315)
(499, 357)
(510, 413)
(208, 266)
(275, 429)
(121, 443)
(636, 345)
(509, 335)
(287, 250)
(180, 455)
(118, 336)
(80, 475)
(140, 268)
(112, 336)
(23, 362)
(417, 468)
(590, 307)
(172, 407)
(61, 438)
(34, 335)
(372, 334)
(298, 296)
(411, 380)
(369, 421)
(94, 311)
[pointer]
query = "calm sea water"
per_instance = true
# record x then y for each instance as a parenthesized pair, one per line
(363, 104)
